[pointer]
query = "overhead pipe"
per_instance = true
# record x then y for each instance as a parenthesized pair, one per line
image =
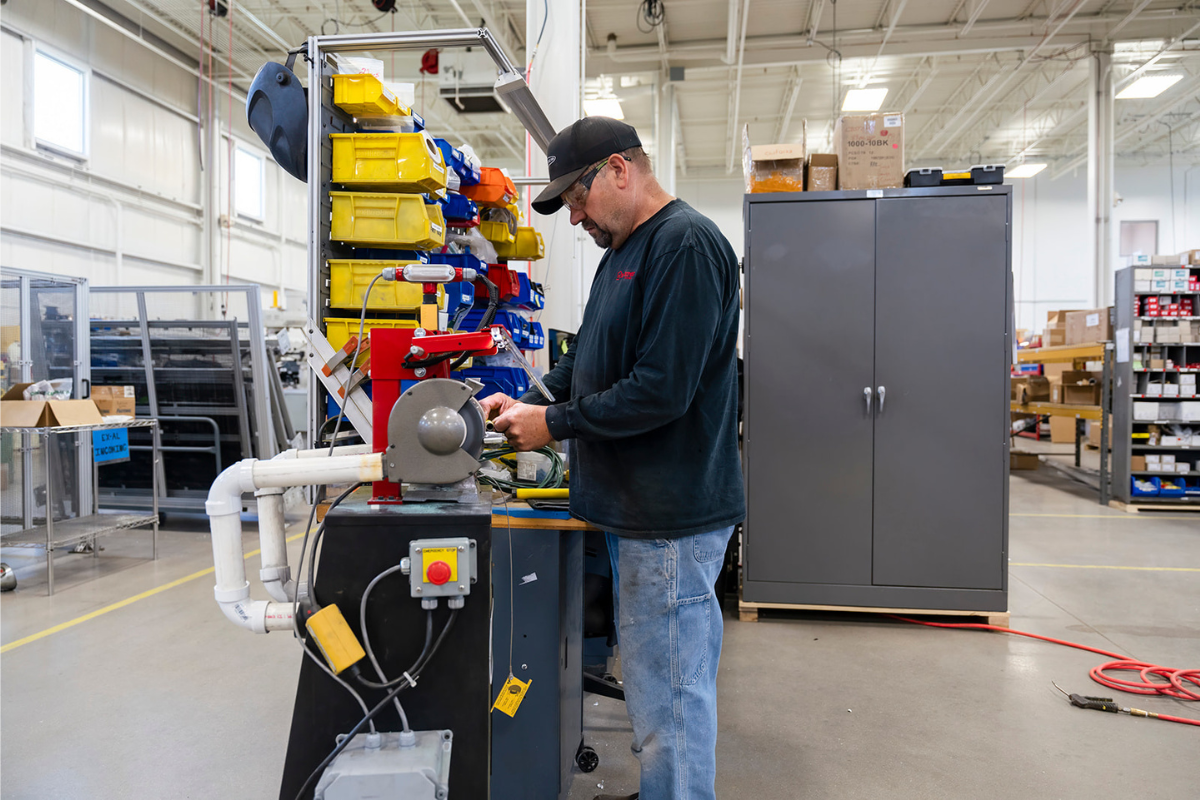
(224, 507)
(730, 35)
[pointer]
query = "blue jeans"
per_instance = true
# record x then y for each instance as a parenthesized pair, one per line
(669, 628)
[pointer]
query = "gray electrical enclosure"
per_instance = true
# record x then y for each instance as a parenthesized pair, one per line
(877, 356)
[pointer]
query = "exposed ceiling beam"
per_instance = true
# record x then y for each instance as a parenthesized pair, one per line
(1154, 59)
(980, 5)
(815, 9)
(887, 34)
(681, 154)
(1171, 130)
(1128, 130)
(790, 95)
(921, 87)
(988, 92)
(1130, 17)
(737, 87)
(731, 32)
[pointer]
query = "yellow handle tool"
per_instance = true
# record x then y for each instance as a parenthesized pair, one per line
(541, 494)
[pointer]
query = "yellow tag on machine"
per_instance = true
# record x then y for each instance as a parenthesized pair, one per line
(511, 694)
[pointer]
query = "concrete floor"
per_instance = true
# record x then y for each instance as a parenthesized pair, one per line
(163, 699)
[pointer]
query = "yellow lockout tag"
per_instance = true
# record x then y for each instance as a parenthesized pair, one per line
(447, 554)
(511, 694)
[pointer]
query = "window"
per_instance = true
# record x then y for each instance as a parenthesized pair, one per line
(248, 184)
(60, 105)
(1139, 238)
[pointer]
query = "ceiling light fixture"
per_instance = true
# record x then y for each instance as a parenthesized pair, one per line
(864, 99)
(1025, 171)
(603, 107)
(1148, 86)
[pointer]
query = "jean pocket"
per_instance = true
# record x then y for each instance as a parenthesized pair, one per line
(694, 618)
(710, 546)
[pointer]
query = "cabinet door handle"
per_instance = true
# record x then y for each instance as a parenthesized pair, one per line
(867, 396)
(882, 397)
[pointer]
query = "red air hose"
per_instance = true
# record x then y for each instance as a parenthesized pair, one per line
(1174, 687)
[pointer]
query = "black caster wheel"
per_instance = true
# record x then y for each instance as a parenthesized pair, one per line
(587, 759)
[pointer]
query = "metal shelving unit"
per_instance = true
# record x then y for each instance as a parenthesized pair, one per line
(88, 528)
(1132, 380)
(1071, 353)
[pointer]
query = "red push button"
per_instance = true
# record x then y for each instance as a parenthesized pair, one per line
(439, 573)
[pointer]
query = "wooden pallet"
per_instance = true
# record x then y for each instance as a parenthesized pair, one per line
(749, 612)
(1137, 508)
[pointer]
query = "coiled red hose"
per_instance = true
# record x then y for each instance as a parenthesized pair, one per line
(1175, 678)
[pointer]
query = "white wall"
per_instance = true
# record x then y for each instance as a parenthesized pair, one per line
(133, 211)
(1052, 233)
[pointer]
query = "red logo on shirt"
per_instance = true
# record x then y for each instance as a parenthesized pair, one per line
(625, 276)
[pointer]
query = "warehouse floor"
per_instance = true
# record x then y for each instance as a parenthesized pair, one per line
(161, 698)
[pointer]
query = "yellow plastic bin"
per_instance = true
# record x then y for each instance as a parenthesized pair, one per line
(366, 97)
(398, 221)
(338, 330)
(528, 246)
(496, 232)
(390, 162)
(349, 278)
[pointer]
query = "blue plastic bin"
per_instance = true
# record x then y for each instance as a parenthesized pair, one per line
(467, 172)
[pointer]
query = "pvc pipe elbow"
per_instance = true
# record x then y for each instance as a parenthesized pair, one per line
(258, 616)
(225, 494)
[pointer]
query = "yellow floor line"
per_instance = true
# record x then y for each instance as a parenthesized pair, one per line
(1106, 566)
(1113, 515)
(122, 603)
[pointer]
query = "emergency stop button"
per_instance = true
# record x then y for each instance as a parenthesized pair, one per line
(438, 573)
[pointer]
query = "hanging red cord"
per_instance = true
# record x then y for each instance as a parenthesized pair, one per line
(1175, 678)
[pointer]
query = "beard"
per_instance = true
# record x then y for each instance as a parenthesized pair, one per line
(600, 236)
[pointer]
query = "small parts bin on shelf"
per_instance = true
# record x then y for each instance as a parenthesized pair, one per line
(494, 190)
(349, 279)
(468, 173)
(386, 220)
(391, 162)
(527, 245)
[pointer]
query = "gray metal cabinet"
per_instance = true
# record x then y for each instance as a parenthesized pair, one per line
(876, 431)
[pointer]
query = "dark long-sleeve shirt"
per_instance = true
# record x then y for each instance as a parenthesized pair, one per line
(648, 389)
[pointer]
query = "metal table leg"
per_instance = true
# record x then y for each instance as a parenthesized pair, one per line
(155, 488)
(1105, 412)
(1078, 440)
(49, 519)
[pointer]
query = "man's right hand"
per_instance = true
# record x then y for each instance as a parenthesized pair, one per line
(496, 404)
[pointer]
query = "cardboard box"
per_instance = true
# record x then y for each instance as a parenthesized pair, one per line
(1076, 388)
(1145, 411)
(1142, 286)
(822, 172)
(1062, 430)
(776, 168)
(1143, 274)
(1184, 468)
(1137, 463)
(1028, 388)
(20, 413)
(1139, 260)
(1168, 260)
(1085, 327)
(1170, 390)
(1188, 411)
(1018, 460)
(1054, 372)
(115, 401)
(870, 151)
(1054, 337)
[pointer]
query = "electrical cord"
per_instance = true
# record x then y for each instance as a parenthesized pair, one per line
(1172, 688)
(553, 480)
(414, 671)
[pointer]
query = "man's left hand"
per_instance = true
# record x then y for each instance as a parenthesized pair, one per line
(525, 427)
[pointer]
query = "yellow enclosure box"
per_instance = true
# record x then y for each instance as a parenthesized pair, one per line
(349, 278)
(338, 330)
(366, 97)
(390, 162)
(496, 232)
(334, 638)
(397, 221)
(528, 246)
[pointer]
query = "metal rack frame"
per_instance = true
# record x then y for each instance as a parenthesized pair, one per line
(261, 438)
(325, 118)
(83, 528)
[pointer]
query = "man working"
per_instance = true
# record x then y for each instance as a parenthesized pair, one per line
(648, 391)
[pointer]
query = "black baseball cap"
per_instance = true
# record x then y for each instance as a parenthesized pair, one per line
(575, 148)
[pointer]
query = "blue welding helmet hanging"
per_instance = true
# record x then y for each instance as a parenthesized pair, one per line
(277, 110)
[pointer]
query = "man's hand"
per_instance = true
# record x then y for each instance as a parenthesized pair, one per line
(496, 404)
(525, 426)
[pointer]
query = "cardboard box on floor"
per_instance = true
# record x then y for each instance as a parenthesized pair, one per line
(115, 401)
(1062, 430)
(1093, 325)
(1018, 460)
(17, 412)
(870, 151)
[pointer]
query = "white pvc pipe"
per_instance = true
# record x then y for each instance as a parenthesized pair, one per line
(224, 506)
(275, 573)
